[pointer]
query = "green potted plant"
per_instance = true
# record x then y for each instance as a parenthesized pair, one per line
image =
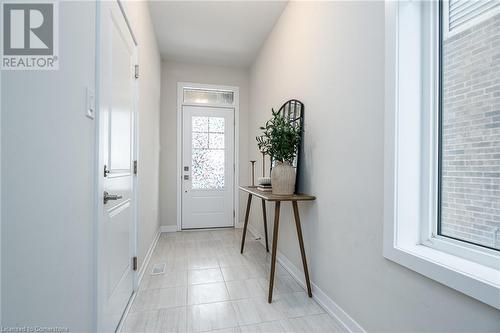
(280, 140)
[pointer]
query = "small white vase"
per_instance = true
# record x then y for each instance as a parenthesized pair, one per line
(283, 178)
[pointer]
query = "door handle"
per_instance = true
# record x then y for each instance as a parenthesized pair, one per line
(108, 197)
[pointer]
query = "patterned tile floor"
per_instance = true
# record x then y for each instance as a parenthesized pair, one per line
(210, 287)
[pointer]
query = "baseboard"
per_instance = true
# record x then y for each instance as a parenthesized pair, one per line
(145, 262)
(126, 312)
(168, 228)
(318, 295)
(174, 228)
(255, 233)
(142, 270)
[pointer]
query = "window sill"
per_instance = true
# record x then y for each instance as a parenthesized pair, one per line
(478, 281)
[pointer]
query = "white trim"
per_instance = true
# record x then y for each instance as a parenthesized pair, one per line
(126, 312)
(256, 234)
(319, 296)
(1, 210)
(135, 157)
(96, 309)
(129, 26)
(236, 107)
(169, 228)
(140, 274)
(147, 258)
(179, 155)
(406, 178)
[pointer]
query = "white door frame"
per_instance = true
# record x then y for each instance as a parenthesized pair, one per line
(236, 107)
(98, 169)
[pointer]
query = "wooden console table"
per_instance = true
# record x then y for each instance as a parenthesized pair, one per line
(277, 199)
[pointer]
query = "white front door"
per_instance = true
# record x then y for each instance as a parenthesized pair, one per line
(208, 167)
(116, 124)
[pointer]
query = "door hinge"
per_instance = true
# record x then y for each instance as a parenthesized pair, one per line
(106, 171)
(234, 213)
(136, 71)
(135, 167)
(134, 263)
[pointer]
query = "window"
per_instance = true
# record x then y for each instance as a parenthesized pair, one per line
(208, 153)
(208, 96)
(442, 140)
(470, 127)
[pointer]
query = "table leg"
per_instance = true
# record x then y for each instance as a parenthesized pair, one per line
(301, 243)
(249, 202)
(275, 249)
(265, 221)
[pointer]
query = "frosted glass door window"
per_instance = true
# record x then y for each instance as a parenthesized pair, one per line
(207, 153)
(199, 96)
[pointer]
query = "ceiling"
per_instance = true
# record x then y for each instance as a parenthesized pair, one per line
(225, 33)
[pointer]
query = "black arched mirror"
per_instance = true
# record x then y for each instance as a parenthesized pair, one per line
(293, 111)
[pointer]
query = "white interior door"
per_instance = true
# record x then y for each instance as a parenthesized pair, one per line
(208, 167)
(116, 230)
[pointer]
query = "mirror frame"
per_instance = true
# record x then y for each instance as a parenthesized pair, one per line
(293, 110)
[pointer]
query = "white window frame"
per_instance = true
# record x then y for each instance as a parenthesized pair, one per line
(411, 157)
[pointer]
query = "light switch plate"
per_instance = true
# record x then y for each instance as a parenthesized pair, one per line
(90, 107)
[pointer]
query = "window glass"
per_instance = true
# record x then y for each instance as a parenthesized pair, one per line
(470, 133)
(207, 153)
(200, 96)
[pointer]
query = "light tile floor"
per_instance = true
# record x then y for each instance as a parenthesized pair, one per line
(210, 287)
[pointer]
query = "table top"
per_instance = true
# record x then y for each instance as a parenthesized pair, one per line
(268, 196)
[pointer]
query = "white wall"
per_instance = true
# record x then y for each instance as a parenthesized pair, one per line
(48, 151)
(172, 73)
(47, 184)
(331, 57)
(149, 124)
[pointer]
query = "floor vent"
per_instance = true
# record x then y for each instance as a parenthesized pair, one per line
(158, 269)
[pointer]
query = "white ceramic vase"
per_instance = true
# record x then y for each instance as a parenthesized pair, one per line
(283, 178)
